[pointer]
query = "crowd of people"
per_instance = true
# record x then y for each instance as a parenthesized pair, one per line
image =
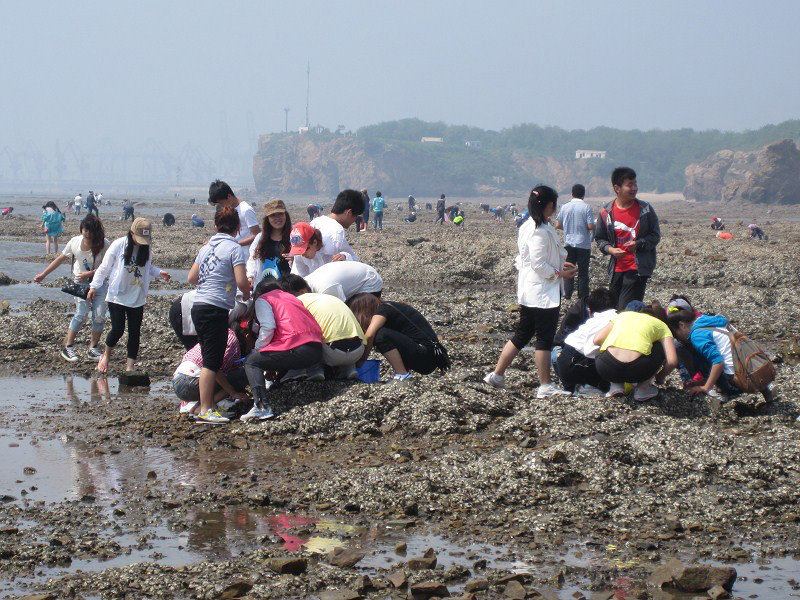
(276, 302)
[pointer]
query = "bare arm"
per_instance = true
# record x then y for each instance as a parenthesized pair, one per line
(240, 273)
(254, 230)
(601, 335)
(194, 274)
(375, 325)
(57, 261)
(672, 360)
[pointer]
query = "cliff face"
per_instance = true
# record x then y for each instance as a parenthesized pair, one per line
(324, 165)
(769, 175)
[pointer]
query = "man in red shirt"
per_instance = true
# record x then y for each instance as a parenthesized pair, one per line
(628, 231)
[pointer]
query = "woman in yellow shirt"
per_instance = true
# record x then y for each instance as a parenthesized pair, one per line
(636, 347)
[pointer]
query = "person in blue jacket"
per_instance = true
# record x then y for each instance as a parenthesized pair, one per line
(706, 334)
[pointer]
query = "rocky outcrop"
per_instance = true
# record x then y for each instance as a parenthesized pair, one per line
(326, 164)
(769, 175)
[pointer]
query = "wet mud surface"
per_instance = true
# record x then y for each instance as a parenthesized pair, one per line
(108, 492)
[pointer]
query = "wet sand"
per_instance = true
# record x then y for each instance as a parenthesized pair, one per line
(580, 495)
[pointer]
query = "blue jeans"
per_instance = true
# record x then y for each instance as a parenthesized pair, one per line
(554, 359)
(98, 309)
(377, 219)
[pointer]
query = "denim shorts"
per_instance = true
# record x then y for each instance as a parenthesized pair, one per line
(97, 308)
(187, 388)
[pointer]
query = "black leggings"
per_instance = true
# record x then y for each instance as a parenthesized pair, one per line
(416, 357)
(118, 314)
(637, 371)
(575, 369)
(540, 321)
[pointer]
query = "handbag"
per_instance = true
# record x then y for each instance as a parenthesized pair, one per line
(79, 290)
(73, 288)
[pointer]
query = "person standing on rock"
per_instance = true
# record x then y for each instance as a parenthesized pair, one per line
(378, 204)
(440, 206)
(576, 219)
(86, 252)
(627, 230)
(217, 271)
(128, 267)
(542, 266)
(220, 193)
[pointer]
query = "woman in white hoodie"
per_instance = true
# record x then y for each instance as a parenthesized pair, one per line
(129, 268)
(542, 267)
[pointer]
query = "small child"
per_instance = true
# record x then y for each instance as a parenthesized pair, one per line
(714, 349)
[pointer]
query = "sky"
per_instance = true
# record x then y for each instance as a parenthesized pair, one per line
(133, 76)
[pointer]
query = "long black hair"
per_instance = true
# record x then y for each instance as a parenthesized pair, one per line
(97, 235)
(142, 256)
(540, 197)
(51, 204)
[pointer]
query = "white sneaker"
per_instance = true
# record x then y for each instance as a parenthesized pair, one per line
(589, 391)
(256, 413)
(645, 391)
(187, 407)
(495, 380)
(407, 377)
(546, 390)
(617, 389)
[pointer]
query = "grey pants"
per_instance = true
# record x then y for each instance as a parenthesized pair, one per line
(297, 358)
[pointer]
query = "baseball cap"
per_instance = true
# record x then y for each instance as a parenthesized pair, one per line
(300, 237)
(273, 207)
(140, 229)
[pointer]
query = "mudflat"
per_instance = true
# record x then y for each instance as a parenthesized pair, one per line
(109, 492)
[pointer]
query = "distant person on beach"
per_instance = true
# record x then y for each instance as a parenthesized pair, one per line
(521, 218)
(365, 214)
(458, 221)
(128, 267)
(756, 232)
(313, 211)
(378, 205)
(717, 224)
(218, 271)
(399, 332)
(77, 203)
(542, 264)
(98, 199)
(6, 212)
(198, 222)
(266, 257)
(127, 210)
(485, 208)
(576, 219)
(440, 207)
(91, 204)
(628, 231)
(52, 226)
(499, 213)
(168, 220)
(220, 193)
(411, 218)
(412, 204)
(85, 252)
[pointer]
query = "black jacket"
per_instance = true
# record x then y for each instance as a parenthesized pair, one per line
(646, 240)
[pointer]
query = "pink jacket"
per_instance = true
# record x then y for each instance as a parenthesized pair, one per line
(292, 325)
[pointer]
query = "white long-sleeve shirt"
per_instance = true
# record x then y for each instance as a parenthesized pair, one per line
(266, 321)
(334, 240)
(540, 258)
(113, 267)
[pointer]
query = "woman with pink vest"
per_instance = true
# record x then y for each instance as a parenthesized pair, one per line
(288, 338)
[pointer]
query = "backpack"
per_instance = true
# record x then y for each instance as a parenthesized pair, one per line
(753, 371)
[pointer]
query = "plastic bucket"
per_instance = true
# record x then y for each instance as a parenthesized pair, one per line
(370, 371)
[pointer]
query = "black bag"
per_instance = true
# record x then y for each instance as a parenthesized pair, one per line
(81, 290)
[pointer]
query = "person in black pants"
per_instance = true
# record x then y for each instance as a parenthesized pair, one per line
(440, 210)
(399, 332)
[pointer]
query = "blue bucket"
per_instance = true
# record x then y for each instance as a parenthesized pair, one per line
(370, 371)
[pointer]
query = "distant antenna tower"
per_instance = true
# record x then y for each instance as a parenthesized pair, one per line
(286, 125)
(308, 89)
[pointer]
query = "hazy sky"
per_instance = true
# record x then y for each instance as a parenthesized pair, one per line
(124, 74)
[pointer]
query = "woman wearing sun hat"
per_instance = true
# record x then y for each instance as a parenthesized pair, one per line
(128, 267)
(270, 244)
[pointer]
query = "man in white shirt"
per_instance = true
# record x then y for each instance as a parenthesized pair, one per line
(221, 194)
(349, 204)
(345, 279)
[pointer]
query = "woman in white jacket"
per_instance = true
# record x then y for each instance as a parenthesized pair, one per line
(542, 267)
(129, 268)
